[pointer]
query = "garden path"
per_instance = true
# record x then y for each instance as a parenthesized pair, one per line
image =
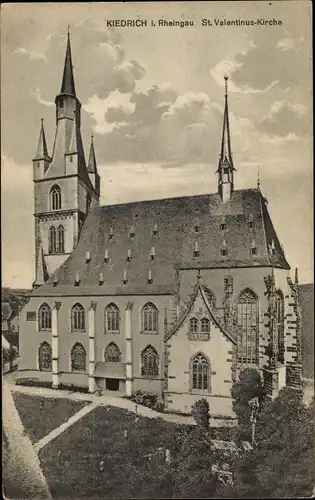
(23, 475)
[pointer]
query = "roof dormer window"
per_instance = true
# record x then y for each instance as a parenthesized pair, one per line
(253, 250)
(111, 233)
(197, 226)
(87, 257)
(125, 279)
(196, 250)
(150, 280)
(272, 247)
(106, 258)
(152, 253)
(77, 279)
(132, 232)
(101, 279)
(224, 251)
(250, 221)
(129, 255)
(155, 230)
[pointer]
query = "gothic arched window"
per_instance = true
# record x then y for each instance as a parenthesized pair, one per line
(149, 362)
(55, 198)
(149, 318)
(112, 353)
(60, 239)
(77, 318)
(78, 358)
(44, 317)
(200, 373)
(112, 319)
(247, 328)
(280, 324)
(45, 357)
(52, 240)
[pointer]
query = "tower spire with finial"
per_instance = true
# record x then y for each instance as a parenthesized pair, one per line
(67, 86)
(258, 178)
(226, 167)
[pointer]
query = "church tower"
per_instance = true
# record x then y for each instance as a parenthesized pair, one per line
(226, 167)
(64, 186)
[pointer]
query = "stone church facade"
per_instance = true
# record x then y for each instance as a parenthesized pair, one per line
(173, 296)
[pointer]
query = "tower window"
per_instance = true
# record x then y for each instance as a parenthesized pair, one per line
(61, 104)
(253, 251)
(55, 198)
(250, 224)
(60, 240)
(71, 159)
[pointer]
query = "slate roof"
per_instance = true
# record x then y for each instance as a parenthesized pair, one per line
(174, 243)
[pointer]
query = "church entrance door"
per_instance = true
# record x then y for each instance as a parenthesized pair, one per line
(112, 384)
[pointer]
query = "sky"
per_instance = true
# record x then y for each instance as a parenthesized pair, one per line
(153, 98)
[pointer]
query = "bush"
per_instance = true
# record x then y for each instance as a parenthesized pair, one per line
(33, 382)
(147, 399)
(201, 413)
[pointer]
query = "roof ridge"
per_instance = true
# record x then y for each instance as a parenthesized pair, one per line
(174, 198)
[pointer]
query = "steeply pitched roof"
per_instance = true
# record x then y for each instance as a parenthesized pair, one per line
(67, 86)
(198, 289)
(92, 160)
(173, 220)
(42, 151)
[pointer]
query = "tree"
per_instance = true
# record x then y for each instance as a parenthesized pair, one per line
(248, 386)
(281, 465)
(201, 414)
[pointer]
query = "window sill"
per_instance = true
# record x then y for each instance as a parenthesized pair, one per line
(144, 332)
(83, 372)
(44, 330)
(202, 337)
(201, 392)
(150, 377)
(78, 331)
(112, 332)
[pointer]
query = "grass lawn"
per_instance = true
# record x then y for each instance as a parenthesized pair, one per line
(71, 462)
(41, 415)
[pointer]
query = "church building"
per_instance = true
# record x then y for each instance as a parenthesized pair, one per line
(171, 296)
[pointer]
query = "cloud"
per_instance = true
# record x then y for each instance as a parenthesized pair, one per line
(285, 120)
(38, 97)
(228, 68)
(160, 125)
(290, 43)
(32, 55)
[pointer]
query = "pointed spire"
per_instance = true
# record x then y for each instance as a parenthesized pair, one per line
(226, 152)
(67, 86)
(41, 269)
(258, 178)
(42, 151)
(296, 276)
(225, 167)
(92, 168)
